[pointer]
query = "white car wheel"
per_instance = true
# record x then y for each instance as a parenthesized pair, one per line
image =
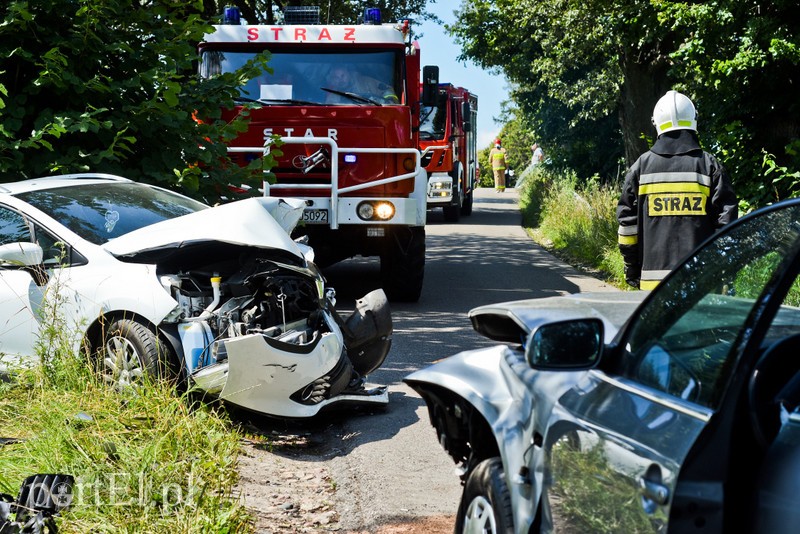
(479, 517)
(131, 350)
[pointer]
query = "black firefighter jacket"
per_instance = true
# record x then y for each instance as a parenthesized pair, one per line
(674, 197)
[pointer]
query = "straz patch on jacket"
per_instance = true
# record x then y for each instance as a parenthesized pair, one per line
(676, 204)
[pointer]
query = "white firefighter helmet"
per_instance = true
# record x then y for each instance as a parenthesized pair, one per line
(674, 111)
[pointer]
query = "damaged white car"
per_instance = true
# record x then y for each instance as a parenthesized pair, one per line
(153, 282)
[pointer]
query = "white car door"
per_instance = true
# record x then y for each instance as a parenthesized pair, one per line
(20, 295)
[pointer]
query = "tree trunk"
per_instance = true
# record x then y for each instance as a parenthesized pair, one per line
(644, 83)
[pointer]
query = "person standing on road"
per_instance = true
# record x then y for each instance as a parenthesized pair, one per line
(537, 154)
(674, 196)
(498, 158)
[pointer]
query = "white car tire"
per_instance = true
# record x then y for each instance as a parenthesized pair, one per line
(129, 352)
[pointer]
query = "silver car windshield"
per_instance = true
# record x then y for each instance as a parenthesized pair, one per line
(100, 212)
(688, 337)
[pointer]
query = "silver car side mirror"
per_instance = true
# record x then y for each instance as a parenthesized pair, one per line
(570, 345)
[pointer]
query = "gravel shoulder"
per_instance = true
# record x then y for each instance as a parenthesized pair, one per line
(286, 489)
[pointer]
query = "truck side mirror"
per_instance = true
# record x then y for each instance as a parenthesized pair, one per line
(430, 85)
(466, 112)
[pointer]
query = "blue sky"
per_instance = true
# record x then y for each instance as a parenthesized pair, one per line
(438, 48)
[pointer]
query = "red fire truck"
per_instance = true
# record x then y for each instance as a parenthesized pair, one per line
(344, 99)
(448, 141)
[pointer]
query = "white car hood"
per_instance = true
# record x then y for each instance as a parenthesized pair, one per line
(262, 222)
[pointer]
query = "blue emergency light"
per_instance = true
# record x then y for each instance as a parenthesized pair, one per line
(231, 15)
(372, 15)
(349, 158)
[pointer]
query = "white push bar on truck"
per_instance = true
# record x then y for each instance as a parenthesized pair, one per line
(334, 162)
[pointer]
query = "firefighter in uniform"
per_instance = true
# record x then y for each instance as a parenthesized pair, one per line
(674, 196)
(498, 158)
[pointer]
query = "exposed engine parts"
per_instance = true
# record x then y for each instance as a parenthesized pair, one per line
(268, 337)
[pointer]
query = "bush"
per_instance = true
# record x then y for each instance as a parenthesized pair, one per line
(575, 221)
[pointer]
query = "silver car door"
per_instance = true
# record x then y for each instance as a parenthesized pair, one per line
(618, 441)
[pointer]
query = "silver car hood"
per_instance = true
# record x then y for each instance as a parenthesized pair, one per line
(262, 222)
(511, 322)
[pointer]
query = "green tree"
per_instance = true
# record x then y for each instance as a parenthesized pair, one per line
(112, 86)
(741, 60)
(587, 74)
(574, 65)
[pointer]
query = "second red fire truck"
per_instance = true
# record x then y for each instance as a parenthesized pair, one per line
(344, 99)
(448, 140)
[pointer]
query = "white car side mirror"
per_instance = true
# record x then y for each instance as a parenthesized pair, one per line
(23, 253)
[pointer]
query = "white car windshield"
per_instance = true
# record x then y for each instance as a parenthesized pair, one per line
(100, 212)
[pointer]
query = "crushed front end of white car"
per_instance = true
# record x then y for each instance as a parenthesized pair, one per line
(254, 322)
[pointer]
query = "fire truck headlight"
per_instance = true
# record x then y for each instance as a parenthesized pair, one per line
(365, 211)
(384, 210)
(372, 211)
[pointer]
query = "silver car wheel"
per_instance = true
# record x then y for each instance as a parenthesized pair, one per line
(485, 505)
(131, 351)
(479, 518)
(122, 365)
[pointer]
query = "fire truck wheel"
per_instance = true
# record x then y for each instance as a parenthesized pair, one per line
(403, 264)
(466, 208)
(452, 213)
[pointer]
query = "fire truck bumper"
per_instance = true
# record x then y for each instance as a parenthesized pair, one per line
(440, 189)
(365, 211)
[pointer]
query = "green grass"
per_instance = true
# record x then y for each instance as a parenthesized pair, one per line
(576, 223)
(145, 460)
(593, 496)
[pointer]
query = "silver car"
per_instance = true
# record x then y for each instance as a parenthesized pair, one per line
(673, 410)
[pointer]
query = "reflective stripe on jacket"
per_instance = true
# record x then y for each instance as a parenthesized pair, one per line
(498, 157)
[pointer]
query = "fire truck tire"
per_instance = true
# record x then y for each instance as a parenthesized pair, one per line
(466, 208)
(403, 264)
(452, 213)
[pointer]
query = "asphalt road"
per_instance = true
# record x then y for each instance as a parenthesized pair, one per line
(388, 467)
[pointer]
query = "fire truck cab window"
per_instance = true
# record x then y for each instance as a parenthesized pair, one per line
(432, 121)
(333, 78)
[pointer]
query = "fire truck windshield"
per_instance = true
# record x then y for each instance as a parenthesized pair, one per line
(432, 121)
(359, 77)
